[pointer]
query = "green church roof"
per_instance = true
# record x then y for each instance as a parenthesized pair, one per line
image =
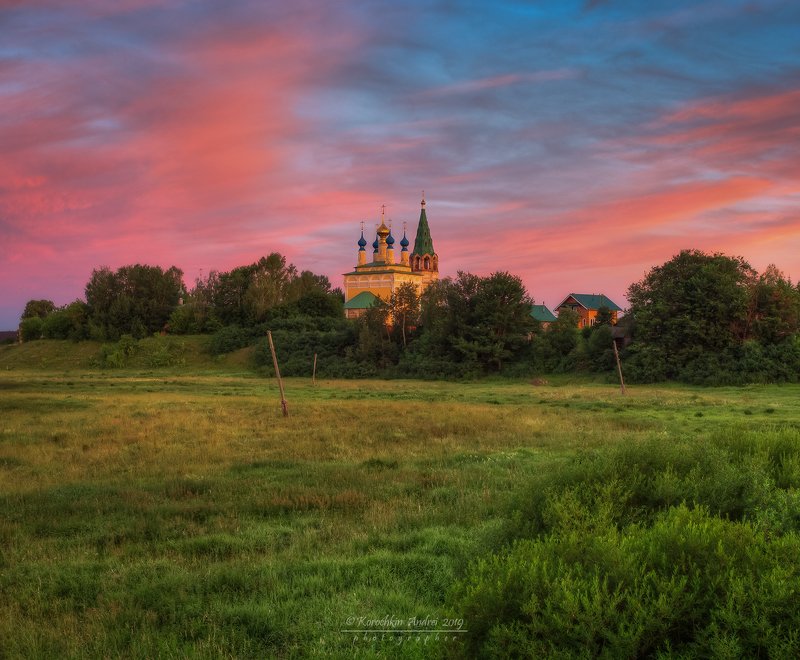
(542, 314)
(593, 301)
(423, 243)
(363, 300)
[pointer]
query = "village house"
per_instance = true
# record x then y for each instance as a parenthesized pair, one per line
(542, 314)
(587, 306)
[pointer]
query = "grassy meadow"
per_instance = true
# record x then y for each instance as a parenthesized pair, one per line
(175, 512)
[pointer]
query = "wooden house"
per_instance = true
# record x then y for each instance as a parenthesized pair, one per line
(587, 305)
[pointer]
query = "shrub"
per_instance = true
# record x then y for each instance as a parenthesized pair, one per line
(599, 349)
(691, 584)
(296, 349)
(230, 338)
(30, 328)
(164, 352)
(116, 356)
(646, 364)
(184, 320)
(648, 548)
(57, 325)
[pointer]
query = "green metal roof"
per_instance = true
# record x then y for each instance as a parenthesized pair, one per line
(423, 243)
(369, 268)
(593, 301)
(363, 300)
(404, 270)
(542, 314)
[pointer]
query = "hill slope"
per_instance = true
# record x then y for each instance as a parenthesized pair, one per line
(185, 353)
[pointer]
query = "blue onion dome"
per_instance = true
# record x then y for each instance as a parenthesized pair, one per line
(375, 245)
(404, 243)
(390, 239)
(361, 242)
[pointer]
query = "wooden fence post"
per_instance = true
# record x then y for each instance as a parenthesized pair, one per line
(314, 372)
(619, 368)
(284, 405)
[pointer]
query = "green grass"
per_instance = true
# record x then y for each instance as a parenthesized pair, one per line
(190, 353)
(153, 512)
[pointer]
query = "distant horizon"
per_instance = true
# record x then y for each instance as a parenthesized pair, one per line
(573, 144)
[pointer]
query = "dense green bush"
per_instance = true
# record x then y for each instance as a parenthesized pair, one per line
(57, 325)
(752, 362)
(657, 547)
(116, 355)
(163, 352)
(691, 584)
(158, 351)
(184, 320)
(296, 349)
(230, 338)
(30, 328)
(600, 350)
(421, 363)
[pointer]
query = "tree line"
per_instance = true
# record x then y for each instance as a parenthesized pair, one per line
(700, 318)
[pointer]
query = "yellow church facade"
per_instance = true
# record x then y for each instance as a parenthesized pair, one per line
(385, 273)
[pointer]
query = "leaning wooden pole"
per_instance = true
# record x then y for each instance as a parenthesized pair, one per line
(284, 406)
(619, 368)
(314, 371)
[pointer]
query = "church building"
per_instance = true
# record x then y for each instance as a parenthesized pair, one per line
(379, 278)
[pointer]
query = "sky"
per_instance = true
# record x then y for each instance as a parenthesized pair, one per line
(575, 144)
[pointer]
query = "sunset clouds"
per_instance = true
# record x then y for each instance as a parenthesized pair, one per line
(575, 144)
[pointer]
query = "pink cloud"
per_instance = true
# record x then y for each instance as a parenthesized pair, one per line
(716, 175)
(753, 133)
(186, 163)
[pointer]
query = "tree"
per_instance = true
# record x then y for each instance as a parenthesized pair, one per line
(404, 310)
(604, 316)
(551, 350)
(136, 300)
(246, 295)
(305, 283)
(774, 309)
(30, 328)
(318, 304)
(563, 333)
(38, 308)
(374, 342)
(599, 349)
(692, 304)
(478, 320)
(56, 326)
(502, 318)
(78, 314)
(101, 291)
(268, 286)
